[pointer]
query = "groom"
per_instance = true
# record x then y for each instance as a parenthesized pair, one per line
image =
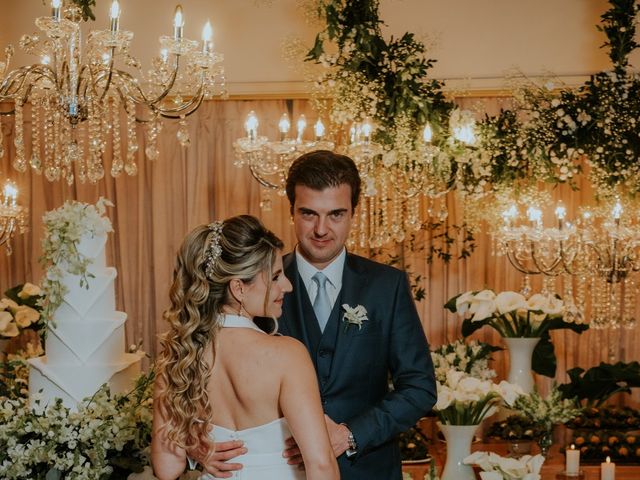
(358, 321)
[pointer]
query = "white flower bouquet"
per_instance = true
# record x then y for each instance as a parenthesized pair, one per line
(513, 315)
(495, 467)
(108, 437)
(468, 357)
(19, 310)
(466, 400)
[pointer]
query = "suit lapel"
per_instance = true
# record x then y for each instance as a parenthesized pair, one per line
(354, 284)
(294, 318)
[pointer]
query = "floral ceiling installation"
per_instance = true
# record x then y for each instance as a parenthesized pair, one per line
(388, 115)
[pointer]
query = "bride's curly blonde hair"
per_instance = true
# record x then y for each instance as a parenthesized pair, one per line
(199, 291)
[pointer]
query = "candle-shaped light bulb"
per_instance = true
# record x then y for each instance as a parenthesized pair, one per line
(353, 132)
(617, 210)
(318, 130)
(164, 55)
(55, 9)
(251, 126)
(283, 126)
(367, 128)
(510, 215)
(561, 212)
(178, 23)
(10, 195)
(301, 124)
(207, 35)
(427, 133)
(535, 216)
(115, 16)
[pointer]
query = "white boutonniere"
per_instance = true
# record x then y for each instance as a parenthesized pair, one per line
(354, 316)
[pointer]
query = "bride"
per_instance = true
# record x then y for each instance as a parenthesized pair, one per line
(220, 378)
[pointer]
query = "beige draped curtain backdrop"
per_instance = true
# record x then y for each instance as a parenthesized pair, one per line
(187, 187)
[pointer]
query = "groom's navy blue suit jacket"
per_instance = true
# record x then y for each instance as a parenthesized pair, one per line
(353, 364)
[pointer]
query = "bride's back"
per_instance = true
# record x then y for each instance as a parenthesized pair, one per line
(244, 387)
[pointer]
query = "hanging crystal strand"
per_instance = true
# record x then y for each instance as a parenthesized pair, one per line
(598, 302)
(70, 154)
(100, 127)
(183, 133)
(372, 221)
(130, 166)
(57, 148)
(82, 161)
(1, 144)
(630, 292)
(397, 222)
(49, 144)
(362, 240)
(526, 286)
(117, 164)
(614, 305)
(385, 229)
(36, 163)
(548, 285)
(570, 309)
(151, 150)
(581, 296)
(19, 162)
(413, 220)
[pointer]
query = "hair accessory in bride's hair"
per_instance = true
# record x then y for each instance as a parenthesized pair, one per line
(214, 250)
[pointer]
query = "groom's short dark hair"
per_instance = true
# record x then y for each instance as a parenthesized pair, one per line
(323, 169)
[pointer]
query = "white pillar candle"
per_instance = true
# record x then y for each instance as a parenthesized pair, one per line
(608, 470)
(572, 466)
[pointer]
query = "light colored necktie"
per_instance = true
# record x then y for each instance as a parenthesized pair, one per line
(321, 304)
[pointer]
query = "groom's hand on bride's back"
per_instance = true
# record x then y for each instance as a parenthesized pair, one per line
(338, 435)
(292, 453)
(218, 465)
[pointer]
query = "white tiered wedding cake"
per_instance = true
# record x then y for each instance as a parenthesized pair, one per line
(85, 340)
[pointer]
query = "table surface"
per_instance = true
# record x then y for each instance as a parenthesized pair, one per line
(554, 464)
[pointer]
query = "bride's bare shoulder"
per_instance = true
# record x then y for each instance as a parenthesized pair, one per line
(288, 348)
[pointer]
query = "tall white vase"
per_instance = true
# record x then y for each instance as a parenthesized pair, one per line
(520, 352)
(459, 438)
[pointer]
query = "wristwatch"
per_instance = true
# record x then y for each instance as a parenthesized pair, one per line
(353, 446)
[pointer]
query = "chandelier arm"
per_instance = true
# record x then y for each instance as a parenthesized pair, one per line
(519, 266)
(110, 76)
(547, 270)
(262, 181)
(192, 105)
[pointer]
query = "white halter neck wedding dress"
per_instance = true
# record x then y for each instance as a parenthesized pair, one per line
(265, 443)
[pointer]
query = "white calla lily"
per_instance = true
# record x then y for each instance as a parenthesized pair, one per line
(510, 301)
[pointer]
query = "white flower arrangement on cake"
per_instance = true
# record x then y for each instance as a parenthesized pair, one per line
(64, 227)
(495, 467)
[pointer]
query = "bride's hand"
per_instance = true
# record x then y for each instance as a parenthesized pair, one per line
(217, 464)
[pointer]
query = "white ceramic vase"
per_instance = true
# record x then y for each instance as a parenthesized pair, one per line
(520, 352)
(459, 438)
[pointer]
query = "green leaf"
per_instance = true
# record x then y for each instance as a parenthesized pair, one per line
(53, 474)
(543, 360)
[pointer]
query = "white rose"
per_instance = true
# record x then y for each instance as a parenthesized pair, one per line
(25, 316)
(8, 327)
(463, 302)
(479, 458)
(516, 468)
(7, 303)
(510, 301)
(29, 290)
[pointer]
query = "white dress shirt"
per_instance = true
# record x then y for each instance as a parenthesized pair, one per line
(333, 272)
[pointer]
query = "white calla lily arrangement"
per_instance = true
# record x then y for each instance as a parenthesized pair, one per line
(467, 400)
(495, 467)
(513, 315)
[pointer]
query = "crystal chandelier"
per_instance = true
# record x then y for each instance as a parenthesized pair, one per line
(599, 254)
(395, 181)
(269, 161)
(12, 215)
(76, 100)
